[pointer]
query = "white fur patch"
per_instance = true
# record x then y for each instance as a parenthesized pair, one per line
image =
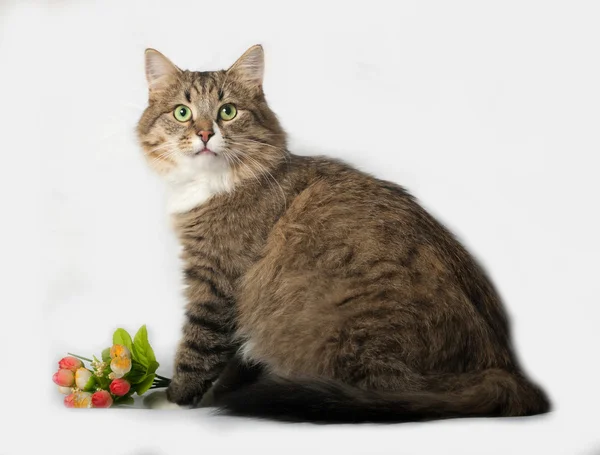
(246, 350)
(197, 178)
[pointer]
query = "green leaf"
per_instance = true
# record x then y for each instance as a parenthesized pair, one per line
(106, 355)
(90, 385)
(142, 350)
(127, 400)
(103, 382)
(123, 338)
(152, 367)
(137, 373)
(143, 387)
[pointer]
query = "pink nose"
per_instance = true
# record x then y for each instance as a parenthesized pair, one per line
(206, 135)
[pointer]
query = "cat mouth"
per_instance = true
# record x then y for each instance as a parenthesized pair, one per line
(205, 151)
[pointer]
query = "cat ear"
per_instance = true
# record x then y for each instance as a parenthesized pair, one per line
(159, 70)
(250, 66)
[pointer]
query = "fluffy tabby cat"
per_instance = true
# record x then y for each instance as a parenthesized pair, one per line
(315, 291)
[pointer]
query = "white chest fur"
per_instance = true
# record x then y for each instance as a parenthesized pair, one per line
(194, 182)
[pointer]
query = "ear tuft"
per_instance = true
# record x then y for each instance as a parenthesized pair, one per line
(250, 66)
(159, 69)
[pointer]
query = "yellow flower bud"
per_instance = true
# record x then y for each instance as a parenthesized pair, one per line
(120, 366)
(119, 350)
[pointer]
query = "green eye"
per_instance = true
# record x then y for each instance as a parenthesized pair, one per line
(227, 111)
(182, 113)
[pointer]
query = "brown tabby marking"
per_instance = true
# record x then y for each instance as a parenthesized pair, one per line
(347, 299)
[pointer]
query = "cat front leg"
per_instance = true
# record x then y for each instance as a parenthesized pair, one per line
(207, 344)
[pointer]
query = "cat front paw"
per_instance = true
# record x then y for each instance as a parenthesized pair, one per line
(183, 393)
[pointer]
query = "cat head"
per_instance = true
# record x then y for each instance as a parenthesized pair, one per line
(215, 123)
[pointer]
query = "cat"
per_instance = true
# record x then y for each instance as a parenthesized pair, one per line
(315, 292)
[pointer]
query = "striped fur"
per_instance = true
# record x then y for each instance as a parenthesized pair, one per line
(345, 298)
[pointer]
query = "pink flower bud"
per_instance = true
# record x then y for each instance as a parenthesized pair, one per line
(84, 379)
(102, 399)
(63, 378)
(70, 363)
(119, 387)
(70, 401)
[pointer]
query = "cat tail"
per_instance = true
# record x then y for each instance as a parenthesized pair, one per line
(491, 392)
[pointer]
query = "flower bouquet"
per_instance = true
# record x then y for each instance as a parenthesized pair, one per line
(127, 367)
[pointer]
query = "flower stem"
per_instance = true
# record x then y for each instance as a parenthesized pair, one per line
(160, 382)
(161, 377)
(79, 357)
